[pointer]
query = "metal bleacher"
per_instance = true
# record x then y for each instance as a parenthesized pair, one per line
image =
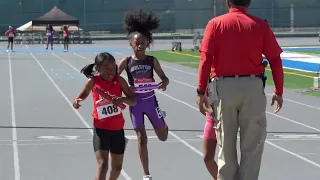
(76, 37)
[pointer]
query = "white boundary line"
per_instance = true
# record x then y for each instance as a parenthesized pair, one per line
(123, 173)
(14, 124)
(268, 142)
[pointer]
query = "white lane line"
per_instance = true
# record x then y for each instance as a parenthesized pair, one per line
(123, 173)
(14, 124)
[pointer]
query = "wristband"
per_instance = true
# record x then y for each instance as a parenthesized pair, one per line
(199, 92)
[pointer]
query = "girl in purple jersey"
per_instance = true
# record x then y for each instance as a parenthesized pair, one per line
(49, 33)
(140, 69)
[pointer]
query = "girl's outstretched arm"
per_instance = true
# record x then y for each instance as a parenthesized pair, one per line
(130, 98)
(83, 94)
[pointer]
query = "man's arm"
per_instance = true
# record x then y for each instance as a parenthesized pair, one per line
(206, 52)
(272, 51)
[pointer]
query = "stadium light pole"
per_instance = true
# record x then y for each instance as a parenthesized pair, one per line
(41, 7)
(214, 8)
(84, 14)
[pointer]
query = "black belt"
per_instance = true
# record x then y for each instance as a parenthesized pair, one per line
(239, 76)
(262, 76)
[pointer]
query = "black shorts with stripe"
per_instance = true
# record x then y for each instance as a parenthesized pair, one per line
(109, 140)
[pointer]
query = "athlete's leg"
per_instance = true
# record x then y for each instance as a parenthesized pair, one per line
(117, 148)
(67, 44)
(137, 119)
(51, 42)
(143, 149)
(11, 44)
(116, 165)
(8, 44)
(64, 44)
(209, 147)
(156, 118)
(48, 40)
(101, 146)
(102, 164)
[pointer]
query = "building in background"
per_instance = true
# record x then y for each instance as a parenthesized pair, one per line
(108, 15)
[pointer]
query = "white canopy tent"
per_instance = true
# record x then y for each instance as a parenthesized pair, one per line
(28, 27)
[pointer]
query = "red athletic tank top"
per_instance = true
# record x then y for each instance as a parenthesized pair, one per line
(11, 33)
(66, 33)
(106, 115)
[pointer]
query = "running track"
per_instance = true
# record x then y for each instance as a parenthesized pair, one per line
(38, 87)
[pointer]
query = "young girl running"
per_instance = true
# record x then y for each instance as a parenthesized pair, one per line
(108, 120)
(49, 33)
(10, 34)
(140, 69)
(65, 38)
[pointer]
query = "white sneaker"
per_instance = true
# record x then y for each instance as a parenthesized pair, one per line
(7, 50)
(163, 113)
(148, 177)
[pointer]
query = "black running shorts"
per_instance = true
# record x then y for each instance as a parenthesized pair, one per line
(66, 40)
(113, 141)
(10, 39)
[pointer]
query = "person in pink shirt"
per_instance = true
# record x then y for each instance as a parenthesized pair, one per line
(65, 38)
(11, 34)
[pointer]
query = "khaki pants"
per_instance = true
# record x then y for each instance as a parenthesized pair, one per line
(239, 102)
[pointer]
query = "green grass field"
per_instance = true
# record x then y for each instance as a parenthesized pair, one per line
(310, 52)
(293, 79)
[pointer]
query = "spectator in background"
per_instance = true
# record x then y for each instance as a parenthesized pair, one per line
(231, 48)
(65, 38)
(49, 33)
(11, 34)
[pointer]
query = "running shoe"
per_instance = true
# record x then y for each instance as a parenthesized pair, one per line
(163, 113)
(148, 177)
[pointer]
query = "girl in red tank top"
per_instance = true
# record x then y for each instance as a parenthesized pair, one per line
(11, 34)
(108, 121)
(65, 38)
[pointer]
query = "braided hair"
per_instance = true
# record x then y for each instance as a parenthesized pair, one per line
(88, 69)
(140, 22)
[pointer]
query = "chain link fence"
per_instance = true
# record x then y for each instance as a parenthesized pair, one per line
(182, 16)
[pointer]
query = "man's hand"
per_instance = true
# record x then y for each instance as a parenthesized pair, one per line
(279, 101)
(200, 101)
(207, 107)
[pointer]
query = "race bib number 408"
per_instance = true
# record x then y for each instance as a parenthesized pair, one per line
(107, 111)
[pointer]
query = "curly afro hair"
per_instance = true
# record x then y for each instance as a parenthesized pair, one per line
(137, 21)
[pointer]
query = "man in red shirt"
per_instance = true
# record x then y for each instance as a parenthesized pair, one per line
(232, 49)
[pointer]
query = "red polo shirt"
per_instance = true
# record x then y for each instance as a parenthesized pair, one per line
(233, 44)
